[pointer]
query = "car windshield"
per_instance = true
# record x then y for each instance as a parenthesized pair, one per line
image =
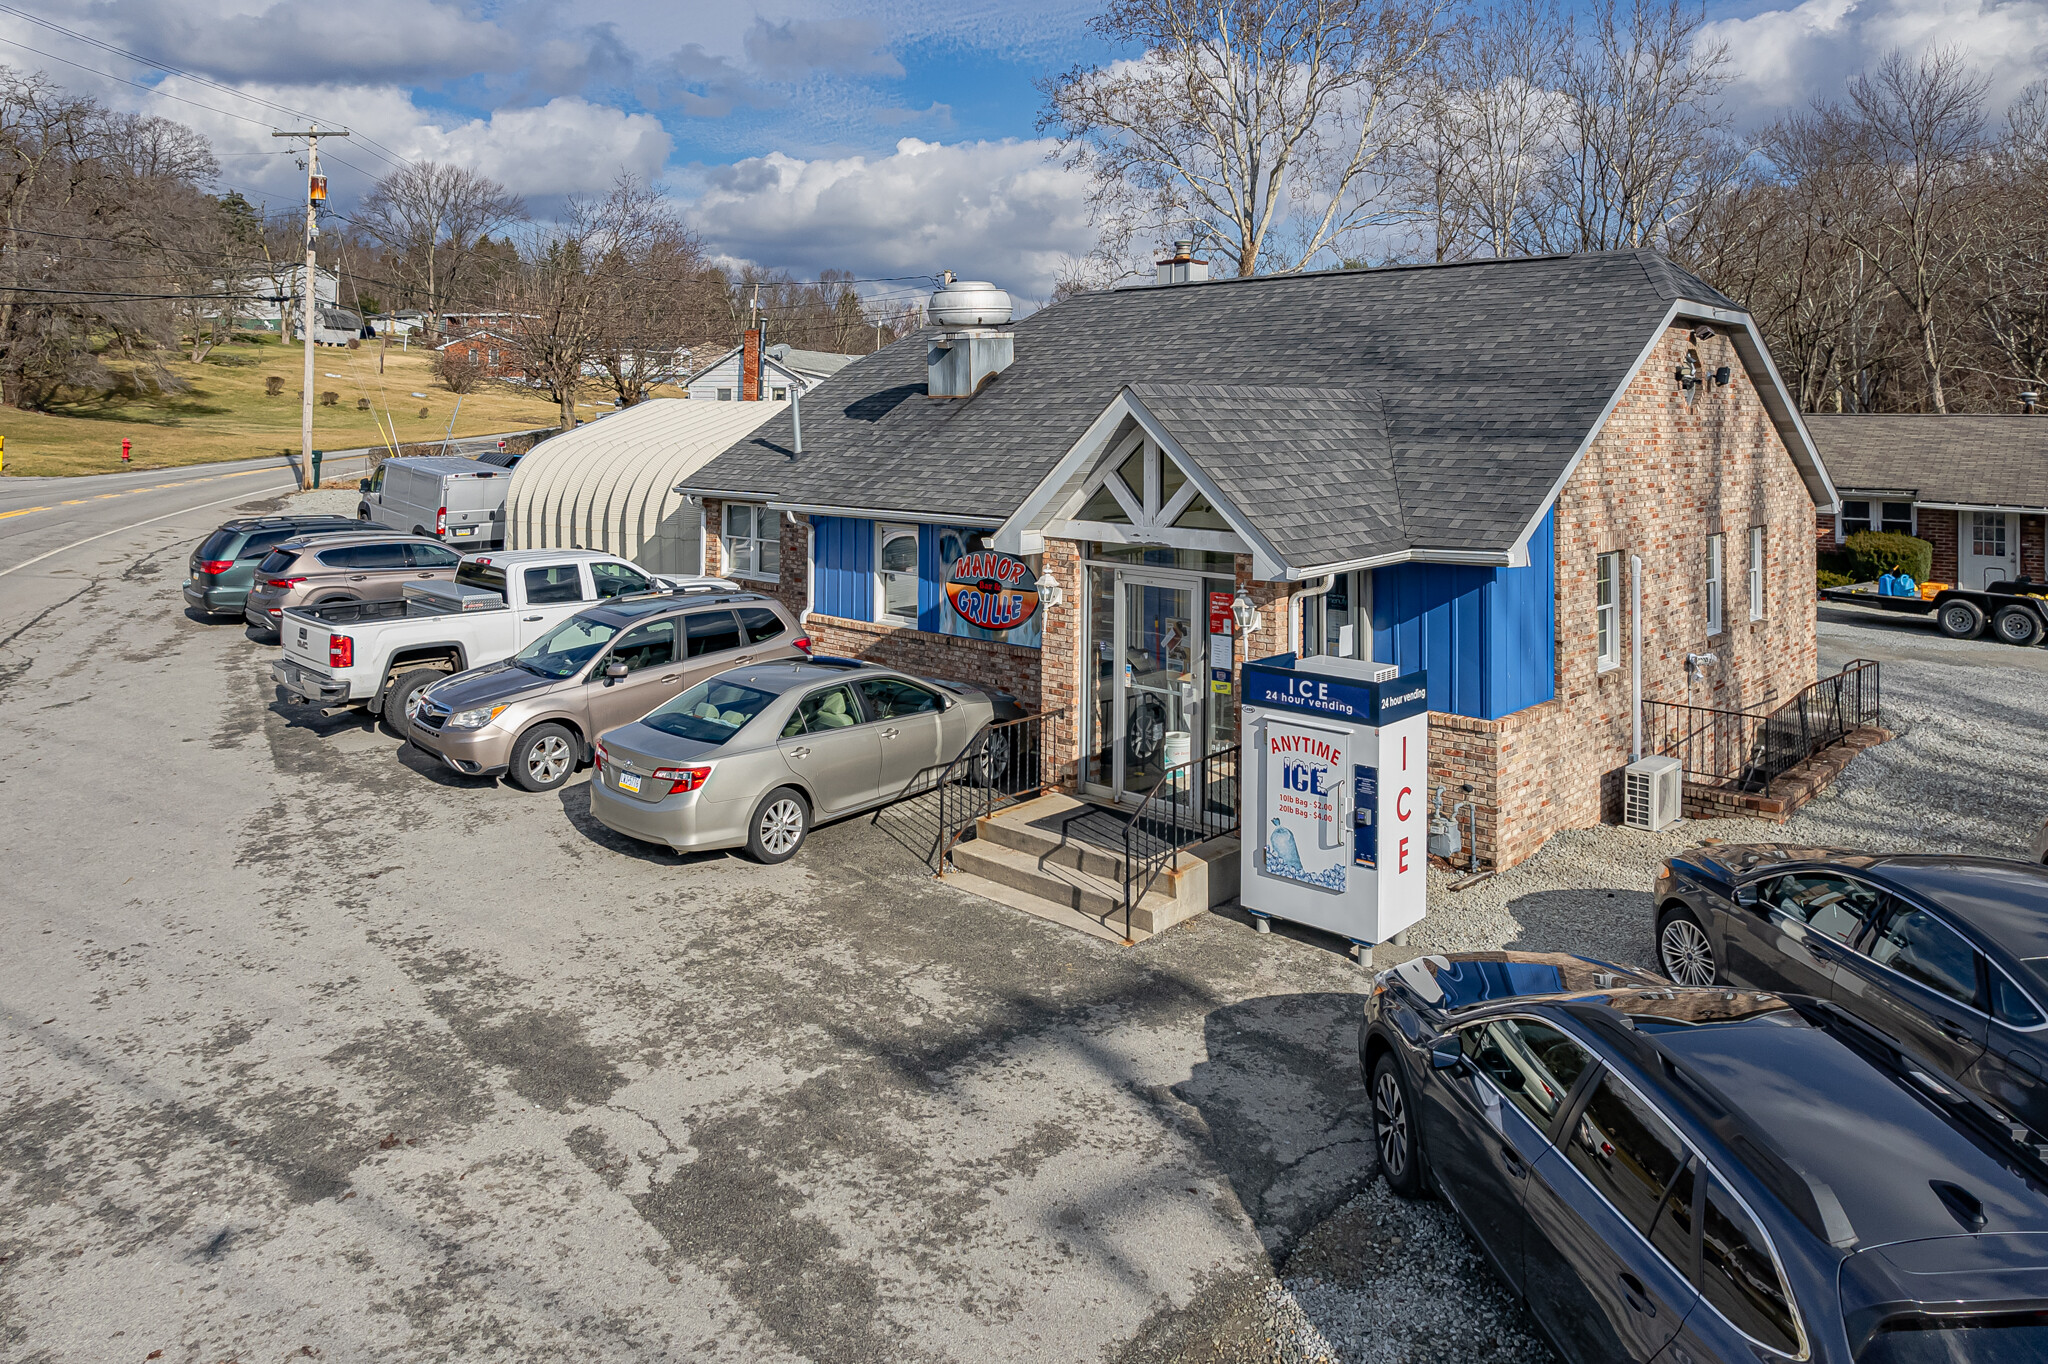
(564, 650)
(710, 712)
(2006, 1339)
(277, 561)
(220, 545)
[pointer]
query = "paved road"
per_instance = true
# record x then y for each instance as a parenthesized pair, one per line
(307, 1044)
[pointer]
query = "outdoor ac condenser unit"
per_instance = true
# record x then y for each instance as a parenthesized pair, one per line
(1653, 793)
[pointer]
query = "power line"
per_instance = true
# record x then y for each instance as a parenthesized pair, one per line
(147, 89)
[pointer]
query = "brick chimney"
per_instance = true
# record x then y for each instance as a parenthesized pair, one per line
(750, 367)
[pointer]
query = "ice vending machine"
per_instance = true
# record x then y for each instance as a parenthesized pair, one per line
(1336, 766)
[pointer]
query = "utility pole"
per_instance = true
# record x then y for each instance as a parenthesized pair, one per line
(316, 194)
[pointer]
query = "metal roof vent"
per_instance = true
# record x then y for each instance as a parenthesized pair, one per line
(973, 349)
(969, 303)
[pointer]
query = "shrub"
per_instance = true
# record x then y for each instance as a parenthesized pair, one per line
(423, 414)
(273, 386)
(362, 404)
(1873, 553)
(329, 398)
(1831, 579)
(457, 370)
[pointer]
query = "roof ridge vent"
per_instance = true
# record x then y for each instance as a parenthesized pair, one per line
(974, 347)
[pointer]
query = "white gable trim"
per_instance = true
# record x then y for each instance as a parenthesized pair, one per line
(1784, 412)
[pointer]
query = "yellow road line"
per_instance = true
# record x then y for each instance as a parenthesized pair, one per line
(24, 511)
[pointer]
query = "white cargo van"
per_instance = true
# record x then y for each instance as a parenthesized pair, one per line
(460, 500)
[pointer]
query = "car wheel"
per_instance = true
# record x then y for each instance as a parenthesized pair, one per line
(1393, 1129)
(1961, 620)
(2017, 625)
(544, 758)
(1684, 950)
(780, 822)
(402, 698)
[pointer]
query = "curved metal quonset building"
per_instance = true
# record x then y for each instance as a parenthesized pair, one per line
(610, 484)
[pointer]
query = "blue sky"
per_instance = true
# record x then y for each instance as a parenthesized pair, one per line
(890, 137)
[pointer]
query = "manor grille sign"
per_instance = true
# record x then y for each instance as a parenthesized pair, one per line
(992, 590)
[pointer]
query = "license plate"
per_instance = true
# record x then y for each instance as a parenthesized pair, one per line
(630, 781)
(465, 530)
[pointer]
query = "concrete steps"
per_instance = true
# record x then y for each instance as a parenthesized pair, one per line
(1062, 858)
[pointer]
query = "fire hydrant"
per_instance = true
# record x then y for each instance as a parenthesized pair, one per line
(124, 449)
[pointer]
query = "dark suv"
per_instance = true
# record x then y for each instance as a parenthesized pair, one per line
(224, 565)
(1945, 955)
(1705, 1175)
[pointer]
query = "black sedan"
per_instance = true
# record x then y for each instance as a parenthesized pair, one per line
(1705, 1175)
(1947, 956)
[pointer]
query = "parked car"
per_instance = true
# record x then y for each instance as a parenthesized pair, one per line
(1945, 955)
(536, 714)
(754, 756)
(352, 565)
(224, 563)
(379, 655)
(459, 500)
(1704, 1175)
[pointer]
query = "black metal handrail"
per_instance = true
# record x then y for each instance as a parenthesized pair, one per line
(1750, 749)
(1004, 764)
(1191, 803)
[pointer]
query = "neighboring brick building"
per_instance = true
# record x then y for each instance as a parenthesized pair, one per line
(1446, 469)
(1975, 487)
(491, 354)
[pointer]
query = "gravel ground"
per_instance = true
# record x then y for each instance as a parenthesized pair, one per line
(324, 502)
(1390, 1282)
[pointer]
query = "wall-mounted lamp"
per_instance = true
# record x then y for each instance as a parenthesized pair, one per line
(1702, 333)
(1723, 376)
(1696, 665)
(1050, 593)
(1245, 613)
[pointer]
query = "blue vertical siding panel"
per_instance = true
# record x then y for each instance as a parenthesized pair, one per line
(1522, 628)
(844, 572)
(931, 594)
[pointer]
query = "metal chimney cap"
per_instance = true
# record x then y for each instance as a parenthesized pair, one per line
(970, 303)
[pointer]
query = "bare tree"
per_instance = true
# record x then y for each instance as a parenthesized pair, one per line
(2012, 288)
(1646, 144)
(430, 218)
(1268, 122)
(648, 281)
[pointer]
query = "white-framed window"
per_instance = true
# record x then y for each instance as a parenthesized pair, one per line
(896, 574)
(780, 395)
(1714, 546)
(1607, 610)
(1859, 514)
(1756, 572)
(753, 541)
(725, 395)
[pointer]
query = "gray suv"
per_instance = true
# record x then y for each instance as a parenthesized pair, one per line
(534, 716)
(355, 565)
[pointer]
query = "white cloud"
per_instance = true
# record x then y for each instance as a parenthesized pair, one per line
(1788, 57)
(797, 47)
(986, 210)
(383, 40)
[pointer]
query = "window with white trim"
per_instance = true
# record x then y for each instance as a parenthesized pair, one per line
(1756, 572)
(1859, 514)
(1607, 610)
(896, 574)
(1714, 545)
(753, 541)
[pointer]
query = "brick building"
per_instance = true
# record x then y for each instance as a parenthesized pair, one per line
(491, 354)
(1975, 487)
(1455, 470)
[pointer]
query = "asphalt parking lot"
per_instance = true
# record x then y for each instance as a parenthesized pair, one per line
(312, 1048)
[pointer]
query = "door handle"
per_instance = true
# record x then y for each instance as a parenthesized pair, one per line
(1638, 1299)
(744, 658)
(529, 618)
(1516, 1165)
(889, 733)
(357, 577)
(1953, 1032)
(800, 752)
(670, 677)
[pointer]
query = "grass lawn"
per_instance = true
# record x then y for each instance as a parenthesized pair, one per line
(224, 414)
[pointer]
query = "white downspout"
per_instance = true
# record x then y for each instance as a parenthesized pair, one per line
(703, 549)
(1294, 601)
(1635, 647)
(810, 570)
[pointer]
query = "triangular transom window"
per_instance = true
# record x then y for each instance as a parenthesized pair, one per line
(1141, 486)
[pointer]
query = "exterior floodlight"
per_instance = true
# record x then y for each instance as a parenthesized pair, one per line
(1702, 333)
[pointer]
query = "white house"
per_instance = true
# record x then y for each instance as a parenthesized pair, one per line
(784, 371)
(261, 286)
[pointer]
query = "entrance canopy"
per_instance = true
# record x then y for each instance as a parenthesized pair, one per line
(1301, 479)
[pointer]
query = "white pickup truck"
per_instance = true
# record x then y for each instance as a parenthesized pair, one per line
(381, 654)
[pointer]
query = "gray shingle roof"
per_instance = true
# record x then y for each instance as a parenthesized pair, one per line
(1472, 386)
(1984, 461)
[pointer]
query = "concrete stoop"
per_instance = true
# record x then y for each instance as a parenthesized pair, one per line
(1790, 791)
(1062, 859)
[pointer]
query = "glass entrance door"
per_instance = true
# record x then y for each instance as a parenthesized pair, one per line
(1158, 684)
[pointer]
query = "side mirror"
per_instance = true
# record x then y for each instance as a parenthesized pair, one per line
(615, 671)
(1747, 897)
(1446, 1054)
(362, 485)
